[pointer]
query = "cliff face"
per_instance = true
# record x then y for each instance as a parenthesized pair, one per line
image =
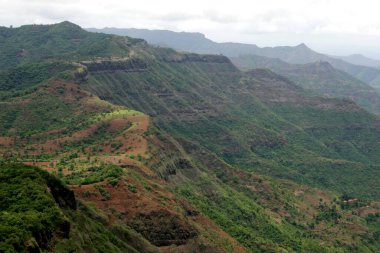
(40, 214)
(195, 58)
(128, 64)
(62, 195)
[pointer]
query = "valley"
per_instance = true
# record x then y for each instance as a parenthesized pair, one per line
(146, 149)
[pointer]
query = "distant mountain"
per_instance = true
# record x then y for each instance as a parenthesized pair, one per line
(198, 43)
(320, 77)
(358, 59)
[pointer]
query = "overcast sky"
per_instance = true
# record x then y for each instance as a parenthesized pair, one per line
(329, 26)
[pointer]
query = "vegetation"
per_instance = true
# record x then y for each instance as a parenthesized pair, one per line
(34, 218)
(299, 140)
(226, 163)
(198, 43)
(319, 77)
(28, 214)
(22, 79)
(62, 41)
(94, 175)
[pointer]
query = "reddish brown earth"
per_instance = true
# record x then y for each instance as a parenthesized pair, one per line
(6, 141)
(117, 124)
(54, 144)
(154, 201)
(141, 199)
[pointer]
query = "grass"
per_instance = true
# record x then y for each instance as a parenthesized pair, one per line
(94, 175)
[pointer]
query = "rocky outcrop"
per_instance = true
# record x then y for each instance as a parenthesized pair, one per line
(179, 58)
(64, 197)
(129, 64)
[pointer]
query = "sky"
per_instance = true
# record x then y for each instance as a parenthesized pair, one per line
(335, 27)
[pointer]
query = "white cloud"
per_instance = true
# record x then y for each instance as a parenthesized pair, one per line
(237, 20)
(279, 15)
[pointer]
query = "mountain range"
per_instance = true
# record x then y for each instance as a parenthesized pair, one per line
(319, 77)
(358, 59)
(110, 144)
(301, 54)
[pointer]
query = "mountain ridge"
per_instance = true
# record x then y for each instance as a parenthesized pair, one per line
(320, 77)
(359, 59)
(289, 54)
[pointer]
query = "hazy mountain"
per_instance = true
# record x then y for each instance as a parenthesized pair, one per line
(320, 77)
(358, 59)
(198, 43)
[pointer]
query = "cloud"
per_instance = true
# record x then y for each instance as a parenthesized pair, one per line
(297, 16)
(219, 17)
(238, 20)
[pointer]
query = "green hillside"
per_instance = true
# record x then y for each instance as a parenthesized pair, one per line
(183, 150)
(227, 113)
(40, 214)
(65, 40)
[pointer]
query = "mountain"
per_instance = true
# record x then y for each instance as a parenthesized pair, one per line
(319, 77)
(358, 59)
(183, 41)
(188, 151)
(234, 117)
(41, 42)
(198, 43)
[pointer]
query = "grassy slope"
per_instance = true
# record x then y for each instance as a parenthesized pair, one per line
(69, 148)
(226, 126)
(262, 213)
(206, 100)
(66, 150)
